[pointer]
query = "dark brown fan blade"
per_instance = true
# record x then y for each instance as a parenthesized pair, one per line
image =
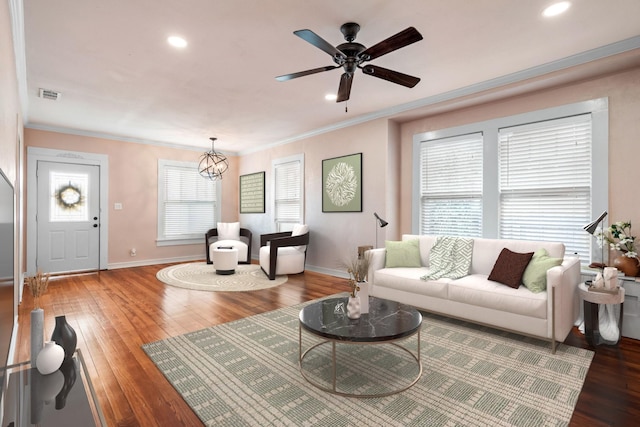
(390, 75)
(319, 42)
(345, 87)
(286, 77)
(402, 39)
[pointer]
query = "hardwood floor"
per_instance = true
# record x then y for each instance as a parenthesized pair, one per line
(115, 312)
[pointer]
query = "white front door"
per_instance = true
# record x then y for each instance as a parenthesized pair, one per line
(68, 217)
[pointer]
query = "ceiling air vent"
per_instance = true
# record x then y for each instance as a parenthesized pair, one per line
(50, 94)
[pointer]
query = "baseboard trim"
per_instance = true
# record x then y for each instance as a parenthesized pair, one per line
(146, 262)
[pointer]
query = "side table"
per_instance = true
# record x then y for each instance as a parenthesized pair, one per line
(591, 303)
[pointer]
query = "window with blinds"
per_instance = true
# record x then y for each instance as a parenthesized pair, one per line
(187, 202)
(451, 186)
(288, 192)
(545, 182)
(540, 175)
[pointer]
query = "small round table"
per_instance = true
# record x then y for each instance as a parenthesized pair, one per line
(592, 299)
(386, 323)
(225, 260)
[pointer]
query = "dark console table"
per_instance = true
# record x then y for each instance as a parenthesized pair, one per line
(64, 398)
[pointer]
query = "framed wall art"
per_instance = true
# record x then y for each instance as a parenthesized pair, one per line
(342, 184)
(252, 193)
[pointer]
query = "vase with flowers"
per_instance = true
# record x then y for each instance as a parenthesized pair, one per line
(358, 267)
(619, 238)
(38, 285)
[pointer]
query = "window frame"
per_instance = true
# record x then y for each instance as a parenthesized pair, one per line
(281, 226)
(162, 240)
(599, 110)
(456, 191)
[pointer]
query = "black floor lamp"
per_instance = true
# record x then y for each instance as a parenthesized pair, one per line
(379, 223)
(591, 229)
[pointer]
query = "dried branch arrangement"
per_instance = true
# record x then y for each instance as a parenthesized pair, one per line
(357, 267)
(38, 285)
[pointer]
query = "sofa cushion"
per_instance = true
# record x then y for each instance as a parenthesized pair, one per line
(486, 251)
(509, 267)
(535, 275)
(228, 231)
(402, 254)
(477, 290)
(300, 230)
(408, 280)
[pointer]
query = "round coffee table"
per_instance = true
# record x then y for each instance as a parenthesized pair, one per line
(386, 323)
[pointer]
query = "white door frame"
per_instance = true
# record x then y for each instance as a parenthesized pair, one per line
(36, 154)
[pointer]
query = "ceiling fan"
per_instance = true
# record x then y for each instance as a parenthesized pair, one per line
(351, 55)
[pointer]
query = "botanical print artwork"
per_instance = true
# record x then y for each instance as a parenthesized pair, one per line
(342, 184)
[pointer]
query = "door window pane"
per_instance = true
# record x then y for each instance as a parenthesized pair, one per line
(69, 197)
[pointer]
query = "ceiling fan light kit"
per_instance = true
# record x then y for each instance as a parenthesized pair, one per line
(351, 55)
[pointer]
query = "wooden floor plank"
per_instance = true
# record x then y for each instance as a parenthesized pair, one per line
(115, 312)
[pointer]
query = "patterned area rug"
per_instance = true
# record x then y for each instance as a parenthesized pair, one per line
(202, 277)
(246, 372)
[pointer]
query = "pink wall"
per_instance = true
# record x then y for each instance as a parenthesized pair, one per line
(623, 91)
(387, 171)
(333, 235)
(133, 182)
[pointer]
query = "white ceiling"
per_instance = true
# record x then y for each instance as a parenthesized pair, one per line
(120, 79)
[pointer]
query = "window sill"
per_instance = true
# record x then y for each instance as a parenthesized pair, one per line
(178, 242)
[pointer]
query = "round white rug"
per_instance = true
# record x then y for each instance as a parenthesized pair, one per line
(202, 276)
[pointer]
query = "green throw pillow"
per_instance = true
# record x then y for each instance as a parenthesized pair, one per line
(403, 254)
(535, 275)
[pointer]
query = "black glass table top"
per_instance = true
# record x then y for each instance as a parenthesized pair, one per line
(386, 320)
(61, 399)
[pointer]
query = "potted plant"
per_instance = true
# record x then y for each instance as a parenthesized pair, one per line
(619, 238)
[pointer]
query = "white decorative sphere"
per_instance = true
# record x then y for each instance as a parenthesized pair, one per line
(50, 358)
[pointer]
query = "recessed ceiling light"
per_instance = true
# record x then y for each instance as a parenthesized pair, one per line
(176, 41)
(331, 97)
(556, 9)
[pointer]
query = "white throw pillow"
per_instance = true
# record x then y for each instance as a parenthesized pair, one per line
(228, 231)
(299, 230)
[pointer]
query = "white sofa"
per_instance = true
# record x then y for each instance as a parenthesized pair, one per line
(549, 314)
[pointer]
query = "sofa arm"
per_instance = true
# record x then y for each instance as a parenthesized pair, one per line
(376, 262)
(562, 285)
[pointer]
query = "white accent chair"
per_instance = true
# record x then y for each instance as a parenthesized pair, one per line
(229, 234)
(285, 252)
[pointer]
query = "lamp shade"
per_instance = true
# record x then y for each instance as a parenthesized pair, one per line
(381, 221)
(593, 226)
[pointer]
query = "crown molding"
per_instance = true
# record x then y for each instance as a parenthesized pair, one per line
(90, 134)
(16, 10)
(586, 57)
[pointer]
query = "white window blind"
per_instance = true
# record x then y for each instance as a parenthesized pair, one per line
(545, 182)
(186, 202)
(451, 186)
(288, 194)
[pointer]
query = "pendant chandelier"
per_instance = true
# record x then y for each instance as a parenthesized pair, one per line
(213, 165)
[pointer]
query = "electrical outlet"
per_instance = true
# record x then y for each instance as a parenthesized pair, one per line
(133, 252)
